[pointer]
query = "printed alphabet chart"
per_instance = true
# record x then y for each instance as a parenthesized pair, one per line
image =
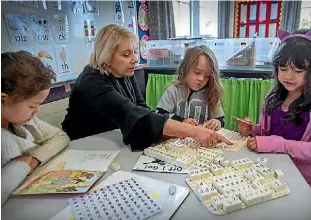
(123, 200)
(121, 188)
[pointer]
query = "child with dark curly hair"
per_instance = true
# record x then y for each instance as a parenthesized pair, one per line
(26, 141)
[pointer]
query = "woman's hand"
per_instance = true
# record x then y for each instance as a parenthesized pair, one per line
(213, 124)
(191, 121)
(252, 143)
(245, 127)
(207, 137)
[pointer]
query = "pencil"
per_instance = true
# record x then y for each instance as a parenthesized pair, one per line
(242, 120)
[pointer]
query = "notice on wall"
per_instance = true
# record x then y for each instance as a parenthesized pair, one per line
(89, 32)
(63, 59)
(118, 12)
(56, 5)
(18, 29)
(47, 56)
(77, 6)
(41, 29)
(60, 29)
(91, 7)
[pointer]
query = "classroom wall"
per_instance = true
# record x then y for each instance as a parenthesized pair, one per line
(78, 50)
(55, 112)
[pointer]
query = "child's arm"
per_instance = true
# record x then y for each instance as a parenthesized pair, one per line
(218, 114)
(52, 142)
(258, 129)
(12, 175)
(296, 149)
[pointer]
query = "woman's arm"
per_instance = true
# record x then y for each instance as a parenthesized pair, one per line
(139, 126)
(200, 134)
(139, 97)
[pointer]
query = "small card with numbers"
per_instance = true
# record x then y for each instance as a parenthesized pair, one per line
(126, 199)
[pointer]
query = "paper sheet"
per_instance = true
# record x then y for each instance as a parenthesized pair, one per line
(84, 160)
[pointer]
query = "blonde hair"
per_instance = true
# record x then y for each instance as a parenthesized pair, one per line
(106, 43)
(191, 59)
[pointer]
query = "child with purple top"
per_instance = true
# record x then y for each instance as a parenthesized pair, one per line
(284, 124)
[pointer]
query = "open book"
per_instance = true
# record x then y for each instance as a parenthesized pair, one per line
(73, 171)
(84, 160)
(63, 181)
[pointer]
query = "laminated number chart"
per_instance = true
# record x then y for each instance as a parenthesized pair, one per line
(125, 199)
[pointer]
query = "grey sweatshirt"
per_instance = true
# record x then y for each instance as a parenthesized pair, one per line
(176, 102)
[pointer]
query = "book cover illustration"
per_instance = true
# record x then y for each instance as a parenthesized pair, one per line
(63, 181)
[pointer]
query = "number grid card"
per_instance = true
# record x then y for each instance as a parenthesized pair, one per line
(126, 199)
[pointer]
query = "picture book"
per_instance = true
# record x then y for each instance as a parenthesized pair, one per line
(62, 181)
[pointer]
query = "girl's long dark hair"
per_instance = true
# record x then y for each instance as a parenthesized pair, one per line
(295, 51)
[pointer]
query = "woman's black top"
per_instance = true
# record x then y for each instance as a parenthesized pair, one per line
(100, 102)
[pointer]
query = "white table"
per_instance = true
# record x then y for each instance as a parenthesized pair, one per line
(296, 205)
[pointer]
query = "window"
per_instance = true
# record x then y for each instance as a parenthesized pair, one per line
(209, 18)
(195, 18)
(182, 18)
(305, 15)
(261, 17)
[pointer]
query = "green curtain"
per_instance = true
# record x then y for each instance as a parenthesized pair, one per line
(243, 97)
(157, 83)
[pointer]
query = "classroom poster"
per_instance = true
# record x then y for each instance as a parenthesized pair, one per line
(35, 4)
(118, 11)
(41, 29)
(44, 4)
(18, 29)
(60, 29)
(89, 32)
(91, 7)
(150, 164)
(62, 60)
(77, 6)
(56, 5)
(47, 56)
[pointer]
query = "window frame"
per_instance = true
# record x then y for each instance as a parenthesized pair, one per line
(194, 7)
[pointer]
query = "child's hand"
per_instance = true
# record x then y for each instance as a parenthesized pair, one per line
(213, 124)
(34, 163)
(191, 121)
(31, 161)
(206, 137)
(24, 158)
(252, 143)
(245, 128)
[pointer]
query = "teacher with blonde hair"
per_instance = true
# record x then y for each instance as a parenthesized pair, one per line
(106, 97)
